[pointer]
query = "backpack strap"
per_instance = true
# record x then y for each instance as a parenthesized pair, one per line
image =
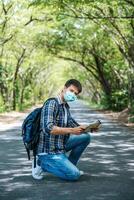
(28, 151)
(34, 154)
(52, 98)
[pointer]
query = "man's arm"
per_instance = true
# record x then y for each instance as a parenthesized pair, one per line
(48, 117)
(49, 114)
(63, 131)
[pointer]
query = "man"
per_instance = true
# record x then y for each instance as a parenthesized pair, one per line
(60, 134)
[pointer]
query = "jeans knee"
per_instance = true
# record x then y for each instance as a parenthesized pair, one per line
(74, 176)
(87, 138)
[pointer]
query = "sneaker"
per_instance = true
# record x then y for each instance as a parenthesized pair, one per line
(37, 172)
(81, 173)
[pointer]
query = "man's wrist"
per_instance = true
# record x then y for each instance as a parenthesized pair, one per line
(69, 130)
(61, 130)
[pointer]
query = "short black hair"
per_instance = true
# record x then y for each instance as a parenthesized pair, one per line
(74, 82)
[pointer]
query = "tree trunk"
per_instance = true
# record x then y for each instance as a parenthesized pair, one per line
(22, 96)
(131, 89)
(104, 82)
(19, 62)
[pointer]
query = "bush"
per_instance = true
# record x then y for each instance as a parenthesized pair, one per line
(117, 101)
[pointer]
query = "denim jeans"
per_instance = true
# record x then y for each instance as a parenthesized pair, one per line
(64, 166)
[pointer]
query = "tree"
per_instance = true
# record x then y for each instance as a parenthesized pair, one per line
(111, 22)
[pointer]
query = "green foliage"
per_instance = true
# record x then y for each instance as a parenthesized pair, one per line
(44, 42)
(2, 106)
(117, 102)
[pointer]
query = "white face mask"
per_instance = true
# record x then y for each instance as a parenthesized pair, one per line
(69, 96)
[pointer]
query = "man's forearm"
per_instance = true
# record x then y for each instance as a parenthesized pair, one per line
(61, 130)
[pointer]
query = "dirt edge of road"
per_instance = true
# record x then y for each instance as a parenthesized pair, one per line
(121, 117)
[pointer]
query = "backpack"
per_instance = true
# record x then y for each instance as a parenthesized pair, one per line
(31, 131)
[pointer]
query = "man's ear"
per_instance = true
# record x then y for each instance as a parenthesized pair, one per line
(63, 89)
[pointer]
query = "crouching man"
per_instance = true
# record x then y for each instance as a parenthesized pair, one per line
(61, 133)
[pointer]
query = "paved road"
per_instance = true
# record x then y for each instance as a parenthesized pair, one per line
(108, 162)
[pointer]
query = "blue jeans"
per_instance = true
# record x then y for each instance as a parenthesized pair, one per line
(62, 166)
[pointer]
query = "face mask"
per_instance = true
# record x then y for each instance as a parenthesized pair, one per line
(70, 96)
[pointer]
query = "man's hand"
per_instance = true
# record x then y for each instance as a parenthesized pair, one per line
(94, 130)
(78, 130)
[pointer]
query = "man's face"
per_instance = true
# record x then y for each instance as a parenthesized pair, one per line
(72, 88)
(70, 93)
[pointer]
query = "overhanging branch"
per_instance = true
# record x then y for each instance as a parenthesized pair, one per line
(80, 63)
(89, 17)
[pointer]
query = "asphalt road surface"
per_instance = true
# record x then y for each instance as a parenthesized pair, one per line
(108, 163)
